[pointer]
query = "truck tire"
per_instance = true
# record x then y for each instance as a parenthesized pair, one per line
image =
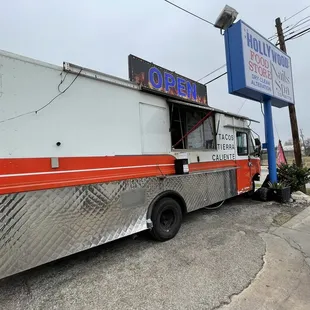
(166, 218)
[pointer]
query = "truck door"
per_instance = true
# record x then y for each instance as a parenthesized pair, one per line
(243, 160)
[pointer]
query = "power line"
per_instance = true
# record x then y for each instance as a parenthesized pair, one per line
(276, 128)
(297, 27)
(219, 68)
(242, 105)
(301, 22)
(299, 34)
(275, 35)
(302, 28)
(287, 29)
(296, 14)
(180, 8)
(215, 78)
(291, 27)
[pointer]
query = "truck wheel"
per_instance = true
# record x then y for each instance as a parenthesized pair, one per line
(167, 218)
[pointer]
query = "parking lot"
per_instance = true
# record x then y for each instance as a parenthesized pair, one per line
(215, 255)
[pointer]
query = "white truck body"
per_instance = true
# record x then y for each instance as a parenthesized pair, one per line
(85, 155)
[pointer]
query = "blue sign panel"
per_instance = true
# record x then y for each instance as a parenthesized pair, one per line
(256, 69)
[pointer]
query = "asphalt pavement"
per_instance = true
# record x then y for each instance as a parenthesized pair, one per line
(216, 255)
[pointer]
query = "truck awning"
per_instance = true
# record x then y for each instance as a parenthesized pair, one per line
(207, 108)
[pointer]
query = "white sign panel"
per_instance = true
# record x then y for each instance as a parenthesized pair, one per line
(267, 69)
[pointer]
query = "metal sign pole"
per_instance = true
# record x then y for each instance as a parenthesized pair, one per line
(272, 166)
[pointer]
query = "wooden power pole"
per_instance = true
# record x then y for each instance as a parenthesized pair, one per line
(291, 107)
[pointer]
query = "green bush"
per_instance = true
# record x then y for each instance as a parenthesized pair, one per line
(294, 176)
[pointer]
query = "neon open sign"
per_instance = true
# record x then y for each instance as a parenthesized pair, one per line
(161, 80)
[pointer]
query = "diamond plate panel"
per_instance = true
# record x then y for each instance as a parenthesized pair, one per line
(41, 226)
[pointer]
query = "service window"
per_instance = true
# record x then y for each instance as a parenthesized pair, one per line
(195, 139)
(242, 143)
(187, 130)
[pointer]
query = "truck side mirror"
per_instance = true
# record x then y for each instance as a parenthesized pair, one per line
(257, 142)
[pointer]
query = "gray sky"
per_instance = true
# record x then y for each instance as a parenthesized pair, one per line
(100, 34)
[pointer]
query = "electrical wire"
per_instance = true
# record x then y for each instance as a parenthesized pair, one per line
(62, 80)
(276, 128)
(47, 104)
(288, 29)
(302, 28)
(276, 34)
(299, 34)
(296, 14)
(299, 23)
(261, 108)
(219, 68)
(215, 78)
(180, 8)
(62, 92)
(291, 31)
(242, 106)
(215, 207)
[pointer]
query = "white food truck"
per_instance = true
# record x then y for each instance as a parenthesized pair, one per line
(87, 158)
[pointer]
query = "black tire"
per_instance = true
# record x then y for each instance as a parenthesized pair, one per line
(167, 219)
(264, 194)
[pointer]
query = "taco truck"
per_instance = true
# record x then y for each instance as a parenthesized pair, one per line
(87, 158)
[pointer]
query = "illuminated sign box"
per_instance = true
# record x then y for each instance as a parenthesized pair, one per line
(256, 69)
(160, 80)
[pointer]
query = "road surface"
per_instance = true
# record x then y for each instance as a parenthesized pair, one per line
(215, 256)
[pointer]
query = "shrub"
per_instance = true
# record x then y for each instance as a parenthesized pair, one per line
(294, 176)
(279, 185)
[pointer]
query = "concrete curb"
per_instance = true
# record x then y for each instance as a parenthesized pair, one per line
(283, 282)
(298, 219)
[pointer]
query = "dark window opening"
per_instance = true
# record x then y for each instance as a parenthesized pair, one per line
(242, 143)
(183, 120)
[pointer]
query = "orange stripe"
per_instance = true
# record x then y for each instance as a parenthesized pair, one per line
(137, 167)
(21, 183)
(26, 165)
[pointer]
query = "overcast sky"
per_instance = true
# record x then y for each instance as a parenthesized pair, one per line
(99, 34)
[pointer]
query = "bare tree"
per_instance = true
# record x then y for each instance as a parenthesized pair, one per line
(307, 146)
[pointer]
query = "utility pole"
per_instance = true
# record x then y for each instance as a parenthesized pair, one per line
(291, 107)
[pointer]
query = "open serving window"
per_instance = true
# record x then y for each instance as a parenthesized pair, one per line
(192, 127)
